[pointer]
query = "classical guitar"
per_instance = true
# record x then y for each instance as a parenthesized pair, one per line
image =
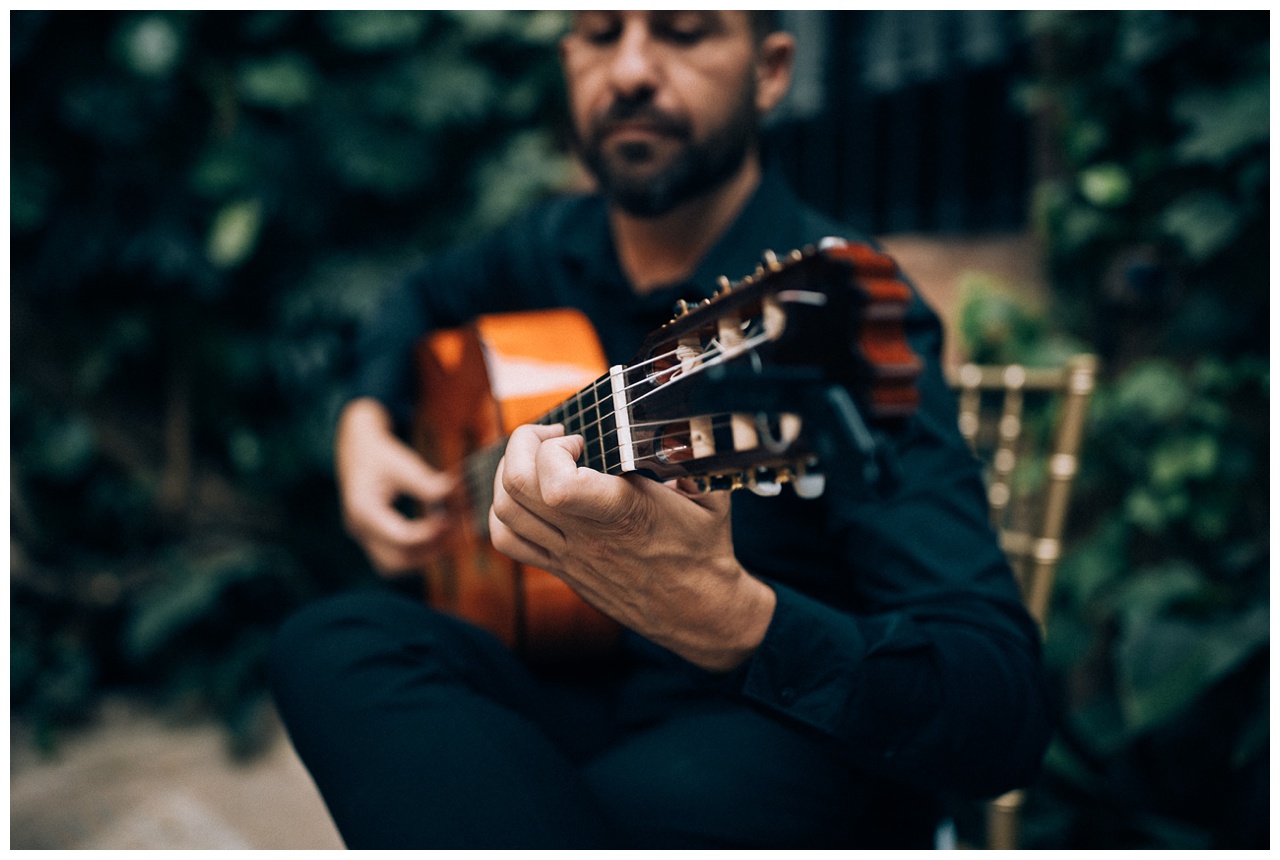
(803, 361)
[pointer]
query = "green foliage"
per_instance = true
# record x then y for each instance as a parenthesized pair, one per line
(1156, 223)
(203, 207)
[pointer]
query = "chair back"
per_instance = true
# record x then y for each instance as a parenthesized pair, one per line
(1026, 425)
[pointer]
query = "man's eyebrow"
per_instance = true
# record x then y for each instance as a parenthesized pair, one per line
(707, 19)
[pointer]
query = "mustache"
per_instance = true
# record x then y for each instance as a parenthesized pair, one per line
(624, 111)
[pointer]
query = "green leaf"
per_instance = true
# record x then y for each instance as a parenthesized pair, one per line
(1223, 123)
(527, 166)
(369, 31)
(234, 233)
(1153, 389)
(1165, 664)
(191, 593)
(1094, 563)
(1106, 185)
(1078, 226)
(150, 46)
(31, 189)
(1145, 510)
(1182, 459)
(1154, 590)
(1145, 35)
(1085, 139)
(280, 82)
(1204, 221)
(438, 91)
(67, 449)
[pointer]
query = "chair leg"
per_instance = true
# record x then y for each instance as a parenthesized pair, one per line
(1003, 815)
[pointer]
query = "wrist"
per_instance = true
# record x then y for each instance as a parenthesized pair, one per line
(364, 412)
(736, 632)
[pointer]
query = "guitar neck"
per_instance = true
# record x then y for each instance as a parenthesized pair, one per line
(589, 413)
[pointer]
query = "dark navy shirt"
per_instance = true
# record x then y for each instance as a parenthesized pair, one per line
(899, 632)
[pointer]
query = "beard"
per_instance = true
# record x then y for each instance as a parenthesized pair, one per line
(628, 176)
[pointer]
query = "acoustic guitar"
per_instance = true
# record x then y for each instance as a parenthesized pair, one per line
(802, 362)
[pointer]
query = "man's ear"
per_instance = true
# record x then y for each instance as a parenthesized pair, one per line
(774, 60)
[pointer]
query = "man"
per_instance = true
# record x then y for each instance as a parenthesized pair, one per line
(797, 673)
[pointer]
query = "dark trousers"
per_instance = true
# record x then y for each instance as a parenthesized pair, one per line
(423, 732)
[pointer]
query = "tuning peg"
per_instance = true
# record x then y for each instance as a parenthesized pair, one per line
(724, 284)
(765, 488)
(680, 308)
(809, 486)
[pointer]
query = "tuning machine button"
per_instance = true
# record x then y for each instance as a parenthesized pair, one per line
(765, 488)
(810, 485)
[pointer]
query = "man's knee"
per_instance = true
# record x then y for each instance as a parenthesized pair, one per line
(322, 646)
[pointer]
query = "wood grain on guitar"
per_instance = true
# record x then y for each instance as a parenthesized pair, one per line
(803, 362)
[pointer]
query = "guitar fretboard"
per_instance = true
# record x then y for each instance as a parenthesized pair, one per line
(589, 414)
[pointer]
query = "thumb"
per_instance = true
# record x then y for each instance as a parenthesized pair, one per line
(419, 480)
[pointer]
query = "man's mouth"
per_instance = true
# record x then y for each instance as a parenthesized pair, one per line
(625, 124)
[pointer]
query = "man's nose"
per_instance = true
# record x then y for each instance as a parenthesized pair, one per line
(634, 70)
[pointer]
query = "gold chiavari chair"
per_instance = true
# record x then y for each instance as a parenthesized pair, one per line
(1026, 425)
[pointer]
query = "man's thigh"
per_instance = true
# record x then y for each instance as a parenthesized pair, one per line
(729, 776)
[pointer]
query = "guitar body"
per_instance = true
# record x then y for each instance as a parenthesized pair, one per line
(478, 384)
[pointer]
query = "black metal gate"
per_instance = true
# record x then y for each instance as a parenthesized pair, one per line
(905, 121)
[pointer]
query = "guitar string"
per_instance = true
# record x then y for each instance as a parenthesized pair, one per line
(725, 354)
(480, 471)
(479, 462)
(718, 352)
(677, 372)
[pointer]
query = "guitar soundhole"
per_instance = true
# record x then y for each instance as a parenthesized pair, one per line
(675, 444)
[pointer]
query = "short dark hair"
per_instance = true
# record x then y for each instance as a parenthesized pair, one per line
(763, 22)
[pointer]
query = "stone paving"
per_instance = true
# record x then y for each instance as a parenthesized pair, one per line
(135, 781)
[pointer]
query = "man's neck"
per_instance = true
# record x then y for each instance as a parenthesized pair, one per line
(656, 252)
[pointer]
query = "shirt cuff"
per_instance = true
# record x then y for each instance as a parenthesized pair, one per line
(807, 665)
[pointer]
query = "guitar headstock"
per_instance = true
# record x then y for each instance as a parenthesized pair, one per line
(753, 387)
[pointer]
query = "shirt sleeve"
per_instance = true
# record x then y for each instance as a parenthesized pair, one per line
(929, 673)
(449, 289)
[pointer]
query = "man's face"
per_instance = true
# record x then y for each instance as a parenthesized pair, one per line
(664, 104)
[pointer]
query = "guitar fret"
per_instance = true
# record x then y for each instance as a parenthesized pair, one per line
(590, 427)
(609, 439)
(598, 462)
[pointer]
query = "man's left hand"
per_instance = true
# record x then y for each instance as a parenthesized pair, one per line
(658, 558)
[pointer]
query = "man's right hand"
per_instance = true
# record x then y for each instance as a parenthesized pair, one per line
(374, 470)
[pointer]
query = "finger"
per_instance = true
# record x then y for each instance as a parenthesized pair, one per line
(516, 547)
(518, 468)
(415, 478)
(556, 464)
(386, 524)
(406, 552)
(516, 517)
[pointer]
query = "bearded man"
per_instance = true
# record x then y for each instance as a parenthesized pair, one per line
(793, 672)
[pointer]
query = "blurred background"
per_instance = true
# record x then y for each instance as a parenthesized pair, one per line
(204, 206)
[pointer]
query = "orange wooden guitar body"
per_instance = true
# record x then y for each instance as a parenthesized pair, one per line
(478, 384)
